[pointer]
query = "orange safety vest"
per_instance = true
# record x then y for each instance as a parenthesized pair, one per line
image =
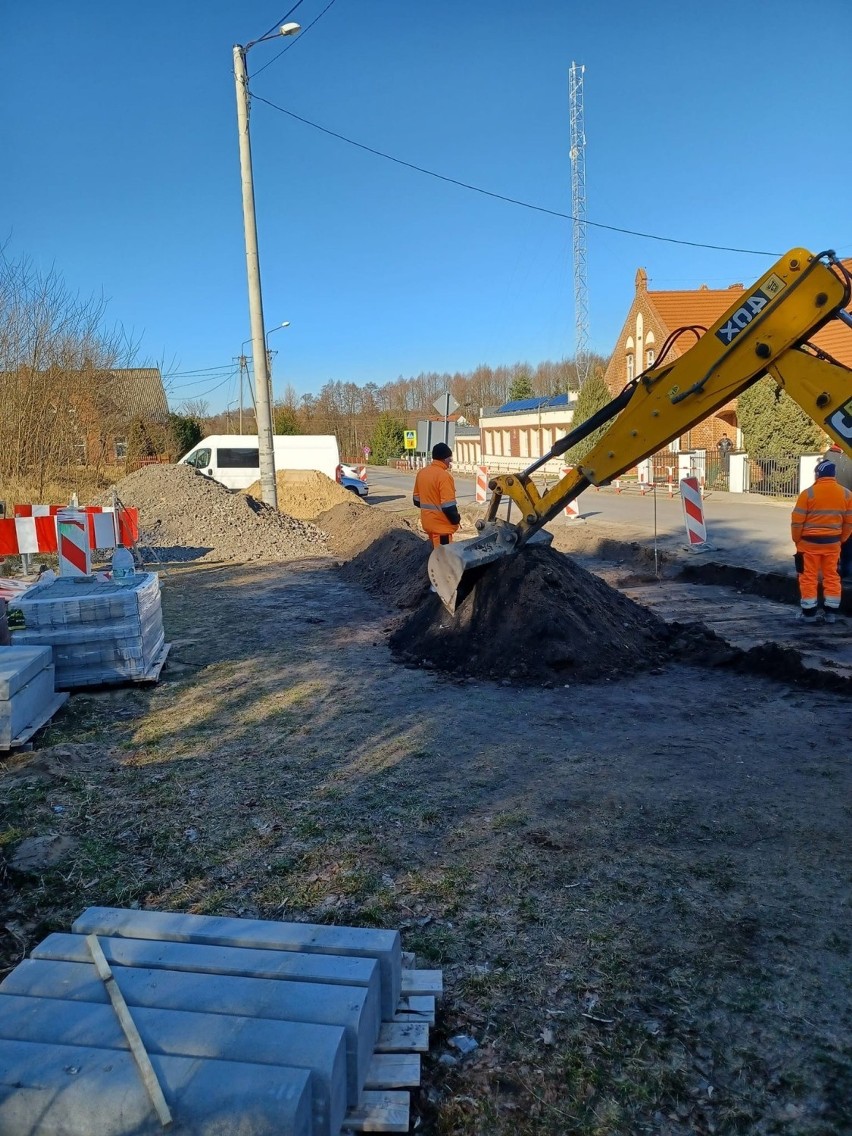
(822, 516)
(434, 491)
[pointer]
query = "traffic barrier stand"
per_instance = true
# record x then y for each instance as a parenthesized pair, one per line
(617, 485)
(693, 514)
(75, 558)
(33, 529)
(481, 484)
(572, 509)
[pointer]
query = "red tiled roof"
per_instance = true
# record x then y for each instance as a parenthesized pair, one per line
(704, 306)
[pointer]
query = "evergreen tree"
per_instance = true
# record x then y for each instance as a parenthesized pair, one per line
(773, 425)
(594, 395)
(186, 432)
(521, 386)
(388, 439)
(139, 441)
(285, 421)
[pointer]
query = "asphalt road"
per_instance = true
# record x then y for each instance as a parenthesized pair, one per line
(742, 529)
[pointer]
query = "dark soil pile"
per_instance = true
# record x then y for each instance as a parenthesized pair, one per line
(536, 617)
(352, 526)
(384, 554)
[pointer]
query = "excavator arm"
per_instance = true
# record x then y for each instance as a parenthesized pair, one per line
(765, 332)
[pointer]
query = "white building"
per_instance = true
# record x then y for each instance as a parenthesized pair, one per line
(512, 436)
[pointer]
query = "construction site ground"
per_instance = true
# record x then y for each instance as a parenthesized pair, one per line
(637, 888)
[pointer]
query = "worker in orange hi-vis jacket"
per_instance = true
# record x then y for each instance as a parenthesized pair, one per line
(435, 497)
(821, 521)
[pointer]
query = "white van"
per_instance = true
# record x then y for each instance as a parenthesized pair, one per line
(232, 458)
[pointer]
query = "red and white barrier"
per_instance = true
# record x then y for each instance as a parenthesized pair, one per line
(693, 513)
(481, 484)
(33, 528)
(362, 472)
(75, 558)
(572, 509)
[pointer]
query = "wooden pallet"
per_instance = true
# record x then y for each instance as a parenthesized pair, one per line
(384, 1105)
(56, 703)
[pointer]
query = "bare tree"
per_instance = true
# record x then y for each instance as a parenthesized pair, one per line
(54, 354)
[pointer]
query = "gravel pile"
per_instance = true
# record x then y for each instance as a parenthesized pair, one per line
(184, 515)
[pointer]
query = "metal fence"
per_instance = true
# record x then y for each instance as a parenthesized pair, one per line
(710, 468)
(772, 477)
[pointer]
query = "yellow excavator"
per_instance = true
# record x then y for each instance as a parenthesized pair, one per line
(764, 333)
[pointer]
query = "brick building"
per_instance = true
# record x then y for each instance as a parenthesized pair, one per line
(654, 315)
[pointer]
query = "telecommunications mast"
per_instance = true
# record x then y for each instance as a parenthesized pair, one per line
(578, 211)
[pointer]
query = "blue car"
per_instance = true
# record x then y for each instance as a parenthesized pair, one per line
(355, 485)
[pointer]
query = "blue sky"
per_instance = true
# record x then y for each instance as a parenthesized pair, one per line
(720, 123)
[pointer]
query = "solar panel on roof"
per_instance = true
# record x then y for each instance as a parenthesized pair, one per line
(519, 405)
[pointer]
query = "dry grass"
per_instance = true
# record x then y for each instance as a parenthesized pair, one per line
(83, 481)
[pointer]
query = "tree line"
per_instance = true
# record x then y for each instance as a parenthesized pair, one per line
(375, 415)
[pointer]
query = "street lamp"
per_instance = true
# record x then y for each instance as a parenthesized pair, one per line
(271, 331)
(265, 447)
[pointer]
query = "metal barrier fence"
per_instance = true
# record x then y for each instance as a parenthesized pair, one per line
(772, 477)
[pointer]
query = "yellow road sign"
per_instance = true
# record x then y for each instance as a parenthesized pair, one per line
(411, 439)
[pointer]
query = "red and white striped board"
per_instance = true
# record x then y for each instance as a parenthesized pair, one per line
(572, 509)
(693, 513)
(33, 528)
(481, 484)
(75, 558)
(362, 473)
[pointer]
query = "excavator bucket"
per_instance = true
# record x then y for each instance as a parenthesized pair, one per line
(453, 567)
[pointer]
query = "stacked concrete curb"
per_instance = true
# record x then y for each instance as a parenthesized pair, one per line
(251, 1026)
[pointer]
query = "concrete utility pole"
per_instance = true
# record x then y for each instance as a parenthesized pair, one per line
(265, 445)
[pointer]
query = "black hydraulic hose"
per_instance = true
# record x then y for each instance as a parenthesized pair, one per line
(699, 385)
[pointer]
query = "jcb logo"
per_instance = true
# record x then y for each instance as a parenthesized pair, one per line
(751, 307)
(742, 317)
(841, 421)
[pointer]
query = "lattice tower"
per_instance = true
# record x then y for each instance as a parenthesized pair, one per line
(578, 210)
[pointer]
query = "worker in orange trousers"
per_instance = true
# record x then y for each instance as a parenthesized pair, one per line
(821, 521)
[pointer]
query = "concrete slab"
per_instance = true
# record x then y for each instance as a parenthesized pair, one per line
(153, 954)
(27, 705)
(175, 1033)
(18, 665)
(348, 1006)
(309, 938)
(65, 1090)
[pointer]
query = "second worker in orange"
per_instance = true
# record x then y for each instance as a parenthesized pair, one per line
(435, 497)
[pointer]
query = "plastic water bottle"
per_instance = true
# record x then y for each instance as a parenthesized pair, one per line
(123, 568)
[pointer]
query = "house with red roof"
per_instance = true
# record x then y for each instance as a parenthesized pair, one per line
(654, 315)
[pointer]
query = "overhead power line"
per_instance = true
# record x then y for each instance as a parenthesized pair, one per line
(199, 394)
(278, 23)
(504, 197)
(201, 371)
(294, 41)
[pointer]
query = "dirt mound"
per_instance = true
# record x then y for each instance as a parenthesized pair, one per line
(383, 553)
(305, 493)
(184, 515)
(535, 617)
